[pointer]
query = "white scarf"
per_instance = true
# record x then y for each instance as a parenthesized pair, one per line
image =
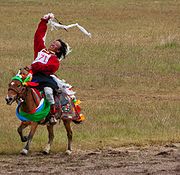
(56, 26)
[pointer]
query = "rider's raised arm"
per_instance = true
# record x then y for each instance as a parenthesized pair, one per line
(40, 34)
(39, 37)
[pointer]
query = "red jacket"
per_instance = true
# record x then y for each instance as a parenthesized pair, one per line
(44, 61)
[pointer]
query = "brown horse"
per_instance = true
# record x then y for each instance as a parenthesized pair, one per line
(19, 92)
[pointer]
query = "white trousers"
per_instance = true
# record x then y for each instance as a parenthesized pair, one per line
(49, 95)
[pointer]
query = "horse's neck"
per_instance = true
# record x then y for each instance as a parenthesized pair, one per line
(30, 101)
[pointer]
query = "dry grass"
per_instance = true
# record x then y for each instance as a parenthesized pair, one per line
(127, 75)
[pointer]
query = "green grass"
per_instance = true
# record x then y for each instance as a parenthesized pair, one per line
(127, 75)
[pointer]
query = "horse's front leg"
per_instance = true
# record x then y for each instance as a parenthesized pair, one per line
(29, 139)
(51, 137)
(20, 131)
(69, 135)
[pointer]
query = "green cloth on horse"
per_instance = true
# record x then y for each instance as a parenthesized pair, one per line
(37, 116)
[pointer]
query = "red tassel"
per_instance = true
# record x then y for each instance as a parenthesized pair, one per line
(32, 84)
(78, 109)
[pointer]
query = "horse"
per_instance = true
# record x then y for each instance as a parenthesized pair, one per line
(19, 91)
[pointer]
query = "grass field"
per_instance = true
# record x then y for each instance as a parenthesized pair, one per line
(127, 75)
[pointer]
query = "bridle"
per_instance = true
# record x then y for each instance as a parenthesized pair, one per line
(19, 92)
(15, 90)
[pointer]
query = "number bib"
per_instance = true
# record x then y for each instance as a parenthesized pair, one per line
(42, 57)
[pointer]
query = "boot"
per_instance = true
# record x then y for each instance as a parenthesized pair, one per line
(53, 119)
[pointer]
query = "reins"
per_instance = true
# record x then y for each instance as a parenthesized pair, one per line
(15, 90)
(19, 93)
(23, 94)
(35, 96)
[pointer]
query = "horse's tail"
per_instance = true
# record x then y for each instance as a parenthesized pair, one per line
(76, 122)
(80, 119)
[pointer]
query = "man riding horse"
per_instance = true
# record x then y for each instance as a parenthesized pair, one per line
(33, 109)
(46, 62)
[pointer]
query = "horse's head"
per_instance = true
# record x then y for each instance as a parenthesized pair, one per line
(16, 88)
(15, 91)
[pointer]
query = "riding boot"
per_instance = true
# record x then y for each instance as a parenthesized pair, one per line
(53, 119)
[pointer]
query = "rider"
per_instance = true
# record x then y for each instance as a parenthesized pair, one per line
(46, 62)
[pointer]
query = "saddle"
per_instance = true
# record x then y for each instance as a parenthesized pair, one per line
(70, 109)
(66, 108)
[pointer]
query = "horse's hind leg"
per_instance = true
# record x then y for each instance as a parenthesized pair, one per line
(30, 136)
(69, 135)
(51, 137)
(20, 131)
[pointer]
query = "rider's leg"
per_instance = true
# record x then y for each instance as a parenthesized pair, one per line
(49, 96)
(66, 91)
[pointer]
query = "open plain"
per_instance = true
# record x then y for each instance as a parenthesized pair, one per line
(127, 77)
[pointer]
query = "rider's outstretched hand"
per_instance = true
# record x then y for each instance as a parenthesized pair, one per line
(48, 16)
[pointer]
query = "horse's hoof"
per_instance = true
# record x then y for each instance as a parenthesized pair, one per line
(68, 152)
(24, 152)
(45, 152)
(46, 149)
(24, 139)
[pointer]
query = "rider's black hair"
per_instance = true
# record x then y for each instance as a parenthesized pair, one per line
(63, 49)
